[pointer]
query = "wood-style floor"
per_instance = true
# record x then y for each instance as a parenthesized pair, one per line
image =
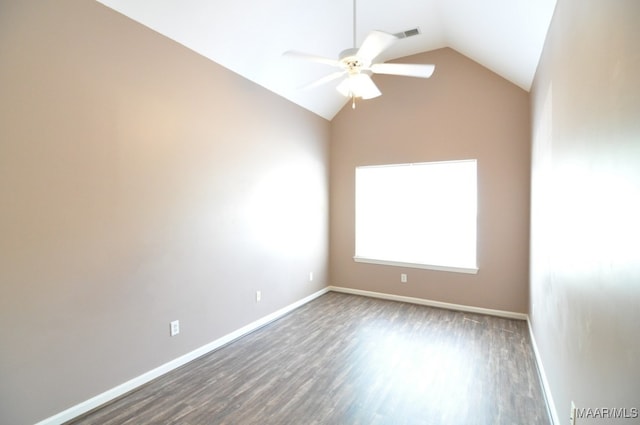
(345, 359)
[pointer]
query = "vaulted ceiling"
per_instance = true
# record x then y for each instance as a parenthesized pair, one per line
(250, 36)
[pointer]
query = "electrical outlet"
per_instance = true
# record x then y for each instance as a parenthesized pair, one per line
(572, 416)
(258, 296)
(174, 328)
(403, 278)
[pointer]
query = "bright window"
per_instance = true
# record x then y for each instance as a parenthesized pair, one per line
(418, 215)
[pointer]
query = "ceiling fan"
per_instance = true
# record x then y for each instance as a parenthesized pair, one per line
(358, 64)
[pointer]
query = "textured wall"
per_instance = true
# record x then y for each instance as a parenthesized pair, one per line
(139, 184)
(463, 111)
(585, 254)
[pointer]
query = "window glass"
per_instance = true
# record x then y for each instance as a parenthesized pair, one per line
(418, 215)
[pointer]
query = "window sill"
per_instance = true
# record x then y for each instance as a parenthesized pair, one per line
(416, 265)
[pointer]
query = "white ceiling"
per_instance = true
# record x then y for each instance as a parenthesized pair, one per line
(249, 36)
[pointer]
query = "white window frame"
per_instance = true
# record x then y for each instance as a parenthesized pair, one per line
(469, 220)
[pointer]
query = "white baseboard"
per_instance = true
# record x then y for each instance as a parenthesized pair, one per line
(109, 395)
(546, 389)
(431, 303)
(134, 383)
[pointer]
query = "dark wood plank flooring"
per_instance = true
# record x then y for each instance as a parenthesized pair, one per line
(345, 359)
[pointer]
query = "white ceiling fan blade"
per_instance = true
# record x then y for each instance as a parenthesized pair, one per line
(404, 69)
(359, 85)
(313, 58)
(324, 80)
(375, 43)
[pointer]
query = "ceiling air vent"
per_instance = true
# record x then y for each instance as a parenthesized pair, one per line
(408, 33)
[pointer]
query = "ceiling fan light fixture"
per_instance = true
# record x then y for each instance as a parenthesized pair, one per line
(345, 88)
(358, 85)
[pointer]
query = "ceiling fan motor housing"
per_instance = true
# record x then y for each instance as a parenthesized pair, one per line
(351, 62)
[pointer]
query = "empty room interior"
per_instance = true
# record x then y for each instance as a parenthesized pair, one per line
(191, 235)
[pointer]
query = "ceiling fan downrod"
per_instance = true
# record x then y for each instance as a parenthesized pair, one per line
(354, 24)
(353, 51)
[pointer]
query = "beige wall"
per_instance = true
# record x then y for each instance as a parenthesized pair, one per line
(585, 251)
(139, 184)
(463, 111)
